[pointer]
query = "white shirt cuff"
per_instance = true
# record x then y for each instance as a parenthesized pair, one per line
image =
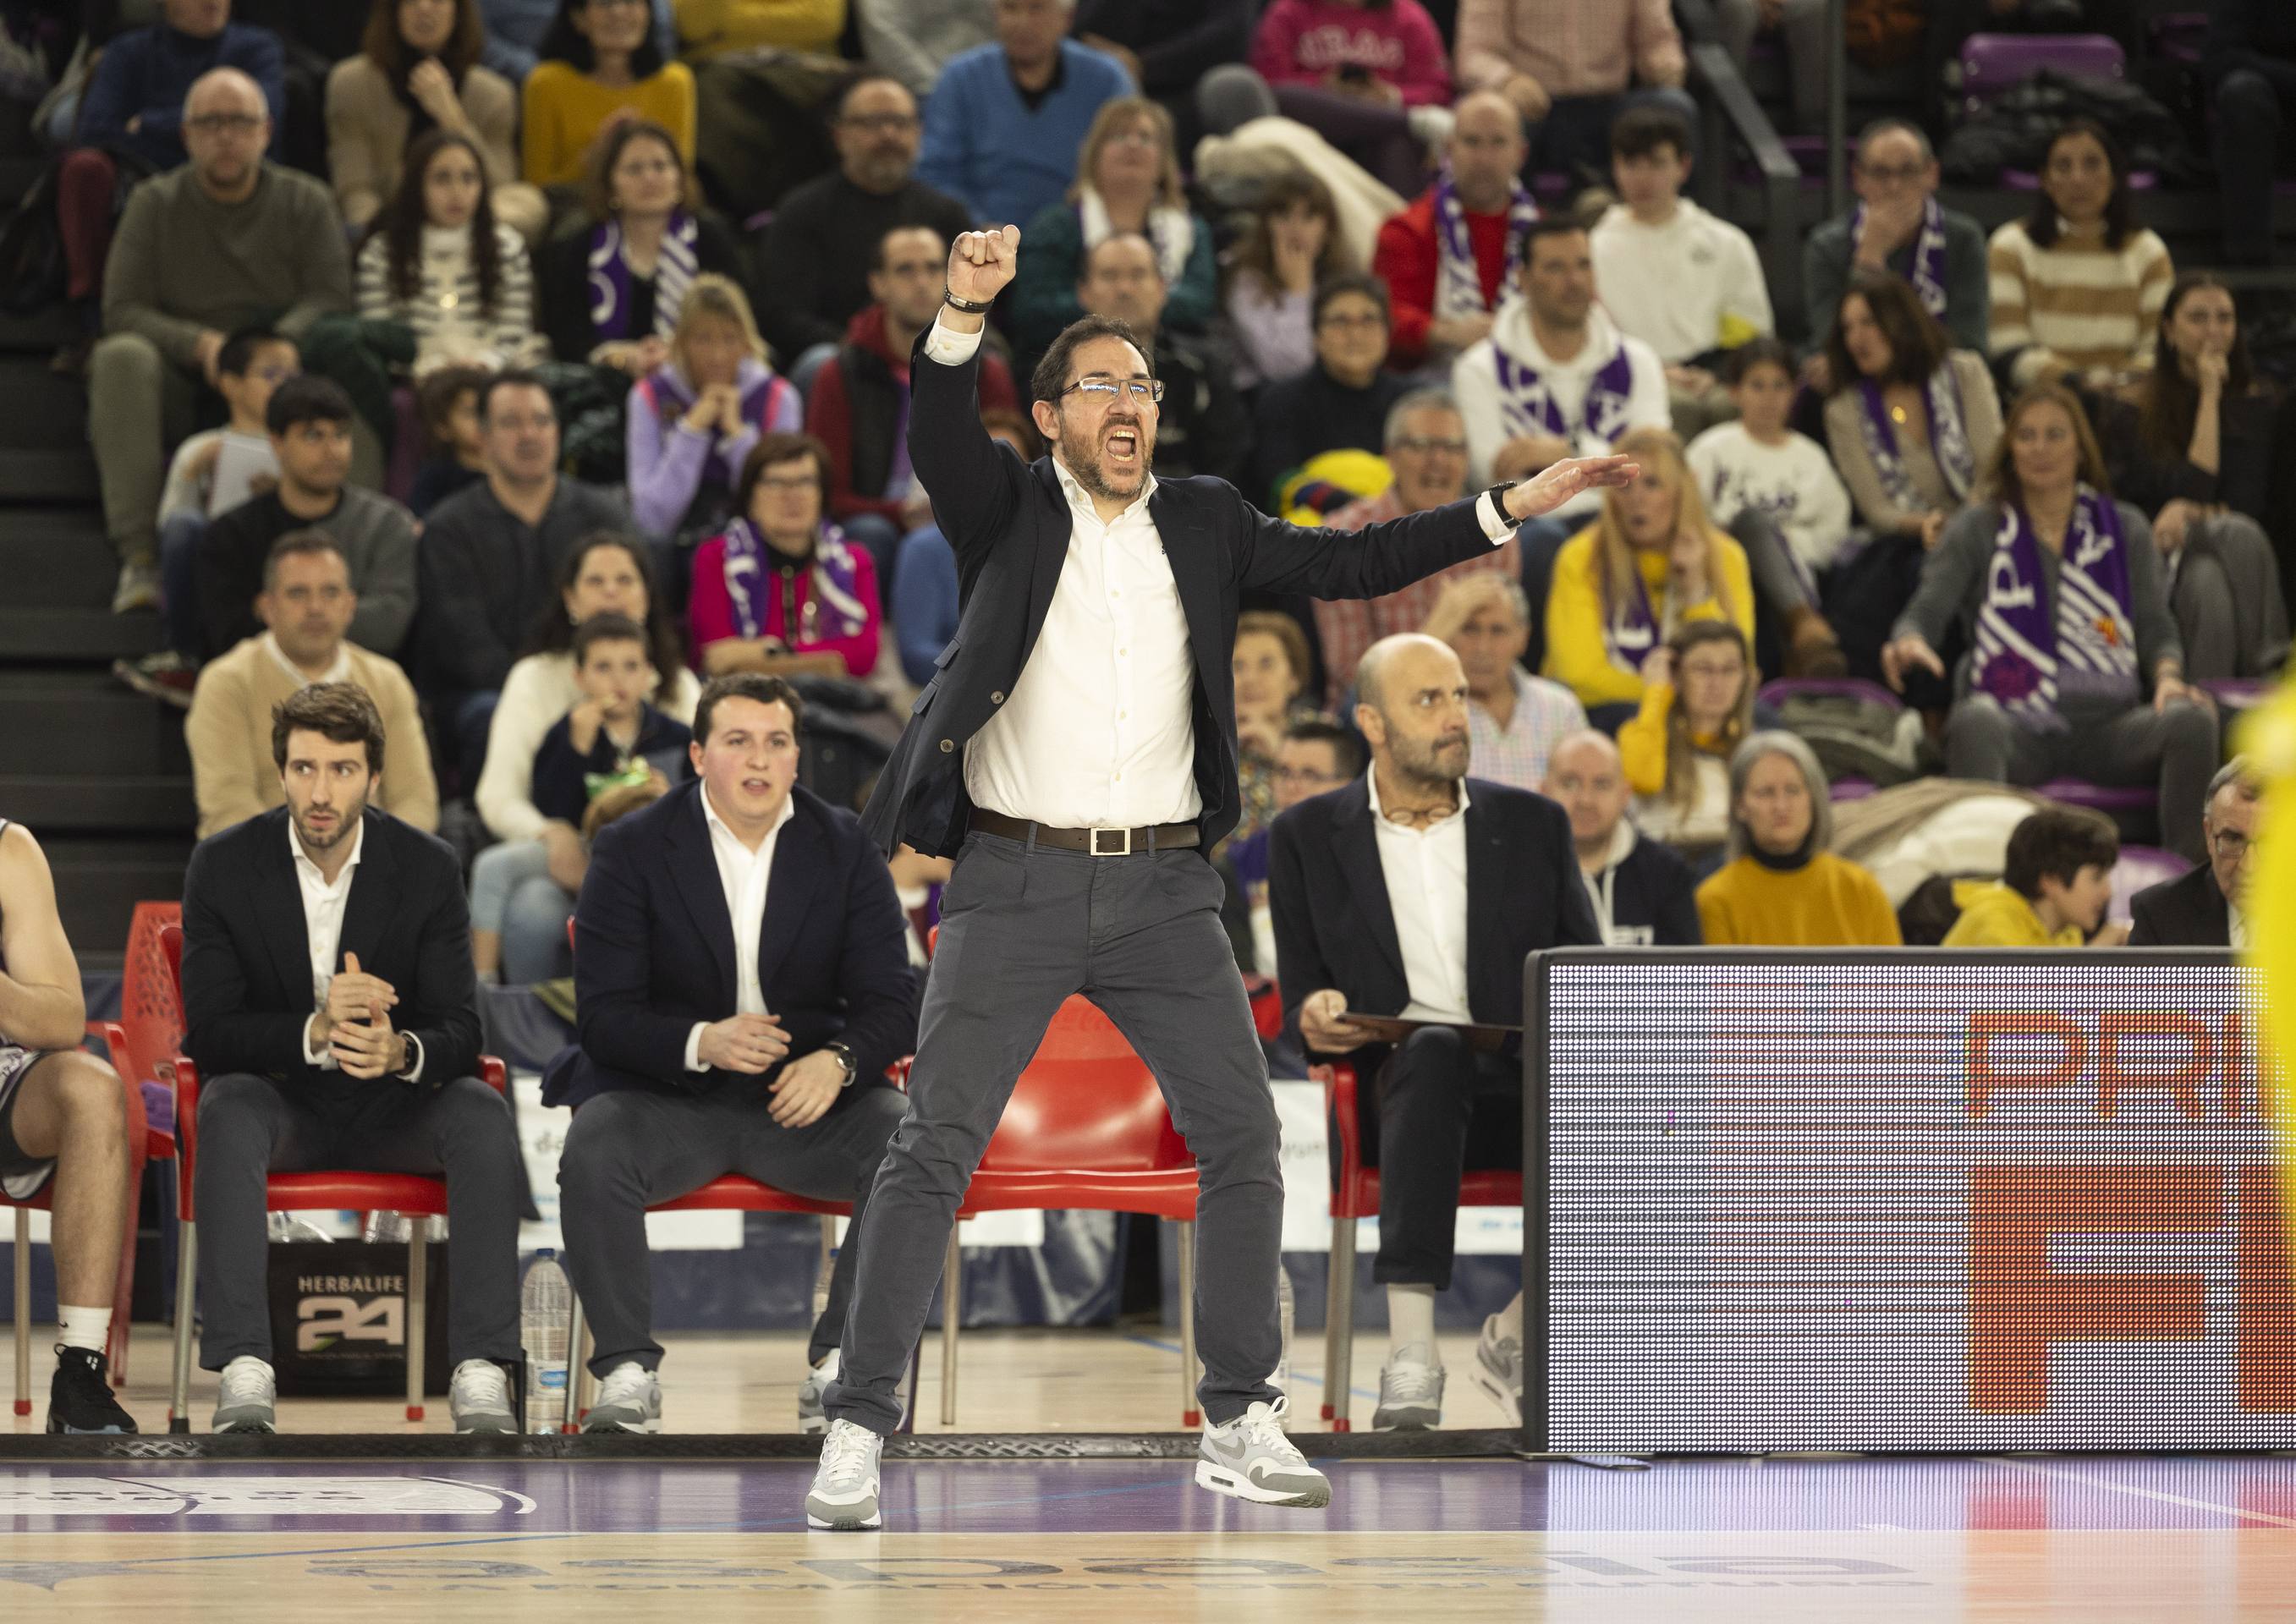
(693, 1047)
(949, 347)
(322, 1056)
(1496, 524)
(414, 1073)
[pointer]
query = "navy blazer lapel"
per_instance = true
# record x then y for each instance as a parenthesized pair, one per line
(279, 910)
(800, 857)
(374, 894)
(1052, 552)
(1200, 591)
(1490, 892)
(694, 869)
(1356, 842)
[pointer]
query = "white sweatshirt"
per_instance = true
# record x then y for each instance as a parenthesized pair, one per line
(1689, 286)
(1793, 484)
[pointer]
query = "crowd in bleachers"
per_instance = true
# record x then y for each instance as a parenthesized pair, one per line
(577, 374)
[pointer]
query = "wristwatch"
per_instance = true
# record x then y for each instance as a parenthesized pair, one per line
(970, 307)
(845, 1059)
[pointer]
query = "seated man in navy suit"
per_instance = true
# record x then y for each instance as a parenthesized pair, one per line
(1417, 891)
(331, 1005)
(742, 979)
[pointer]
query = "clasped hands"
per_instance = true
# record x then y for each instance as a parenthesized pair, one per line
(753, 1046)
(354, 1024)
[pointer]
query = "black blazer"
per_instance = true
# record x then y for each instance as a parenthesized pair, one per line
(247, 963)
(2188, 911)
(1008, 522)
(653, 950)
(1334, 927)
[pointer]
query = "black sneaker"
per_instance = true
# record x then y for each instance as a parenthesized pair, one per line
(79, 1399)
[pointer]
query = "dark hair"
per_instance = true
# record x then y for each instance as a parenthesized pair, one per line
(297, 544)
(510, 378)
(749, 686)
(306, 399)
(1999, 479)
(239, 351)
(2171, 400)
(384, 45)
(435, 398)
(598, 180)
(1287, 189)
(1051, 376)
(606, 627)
(401, 223)
(1287, 632)
(1640, 131)
(877, 254)
(782, 448)
(2056, 843)
(1550, 225)
(1085, 261)
(2119, 207)
(565, 43)
(1680, 787)
(554, 633)
(833, 104)
(1347, 749)
(1762, 351)
(1918, 344)
(340, 712)
(1346, 283)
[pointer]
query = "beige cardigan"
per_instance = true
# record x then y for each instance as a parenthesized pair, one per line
(229, 732)
(367, 134)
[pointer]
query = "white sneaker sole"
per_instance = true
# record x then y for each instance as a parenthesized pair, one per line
(841, 1519)
(1498, 1393)
(591, 1424)
(1221, 1480)
(1413, 1419)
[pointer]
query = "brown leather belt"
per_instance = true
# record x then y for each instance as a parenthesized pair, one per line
(1095, 842)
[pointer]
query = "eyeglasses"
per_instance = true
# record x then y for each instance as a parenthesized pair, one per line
(218, 124)
(1421, 442)
(1103, 392)
(2230, 844)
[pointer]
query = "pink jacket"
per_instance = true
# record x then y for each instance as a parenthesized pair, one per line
(1301, 42)
(709, 610)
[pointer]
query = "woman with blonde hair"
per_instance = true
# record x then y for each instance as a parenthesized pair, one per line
(1652, 561)
(693, 419)
(1128, 182)
(1698, 706)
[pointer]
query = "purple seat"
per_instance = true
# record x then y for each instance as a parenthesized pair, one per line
(2099, 797)
(1849, 789)
(1992, 63)
(1777, 692)
(2237, 693)
(2025, 180)
(2140, 866)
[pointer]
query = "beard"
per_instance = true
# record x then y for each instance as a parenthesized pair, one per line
(347, 818)
(1081, 453)
(1429, 763)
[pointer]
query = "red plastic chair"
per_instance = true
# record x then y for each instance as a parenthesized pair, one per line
(1085, 1127)
(1355, 1195)
(420, 1199)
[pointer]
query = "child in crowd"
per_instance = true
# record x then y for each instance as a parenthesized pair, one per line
(614, 737)
(448, 402)
(1757, 462)
(1698, 706)
(437, 262)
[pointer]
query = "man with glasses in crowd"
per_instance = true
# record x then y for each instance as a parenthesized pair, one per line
(1316, 754)
(1898, 226)
(2207, 908)
(1076, 753)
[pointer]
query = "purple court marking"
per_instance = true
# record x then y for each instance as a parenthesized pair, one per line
(504, 1502)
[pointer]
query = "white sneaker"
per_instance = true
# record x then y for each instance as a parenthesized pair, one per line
(248, 1398)
(137, 588)
(845, 1489)
(1498, 1369)
(1410, 1391)
(811, 1417)
(1251, 1459)
(478, 1398)
(629, 1400)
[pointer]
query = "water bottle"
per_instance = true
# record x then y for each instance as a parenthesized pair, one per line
(545, 1303)
(1281, 1381)
(288, 1227)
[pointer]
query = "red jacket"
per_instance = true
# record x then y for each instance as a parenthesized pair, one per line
(1406, 259)
(856, 410)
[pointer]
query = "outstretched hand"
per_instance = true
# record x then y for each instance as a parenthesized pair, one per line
(981, 263)
(1558, 481)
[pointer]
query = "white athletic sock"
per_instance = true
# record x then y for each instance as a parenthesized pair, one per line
(88, 1328)
(1411, 1318)
(1511, 1319)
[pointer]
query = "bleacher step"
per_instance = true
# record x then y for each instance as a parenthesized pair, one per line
(67, 724)
(41, 409)
(100, 882)
(76, 636)
(57, 558)
(146, 803)
(48, 476)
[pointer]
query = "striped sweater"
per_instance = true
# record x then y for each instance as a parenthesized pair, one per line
(444, 315)
(2076, 305)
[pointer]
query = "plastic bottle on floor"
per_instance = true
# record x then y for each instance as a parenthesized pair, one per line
(545, 1302)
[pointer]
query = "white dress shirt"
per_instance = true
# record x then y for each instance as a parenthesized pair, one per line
(323, 902)
(341, 671)
(2237, 928)
(1426, 875)
(1098, 732)
(744, 873)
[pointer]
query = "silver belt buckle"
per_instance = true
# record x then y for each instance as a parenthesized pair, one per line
(1125, 850)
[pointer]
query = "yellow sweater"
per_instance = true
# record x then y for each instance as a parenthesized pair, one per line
(1830, 902)
(1575, 656)
(1992, 915)
(564, 109)
(709, 28)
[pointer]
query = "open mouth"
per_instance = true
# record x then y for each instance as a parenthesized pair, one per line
(1124, 447)
(756, 786)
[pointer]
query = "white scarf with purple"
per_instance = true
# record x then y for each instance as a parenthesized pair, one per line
(1948, 439)
(2026, 663)
(675, 395)
(832, 606)
(673, 271)
(1458, 280)
(1529, 406)
(1170, 232)
(1928, 273)
(1629, 629)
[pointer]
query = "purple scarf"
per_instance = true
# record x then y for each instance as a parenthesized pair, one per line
(674, 396)
(2025, 663)
(1629, 629)
(609, 278)
(833, 607)
(1948, 439)
(1927, 274)
(1458, 280)
(1529, 407)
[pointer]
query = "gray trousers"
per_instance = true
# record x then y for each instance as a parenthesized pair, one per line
(2225, 592)
(2175, 749)
(251, 1127)
(1021, 929)
(140, 406)
(628, 1150)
